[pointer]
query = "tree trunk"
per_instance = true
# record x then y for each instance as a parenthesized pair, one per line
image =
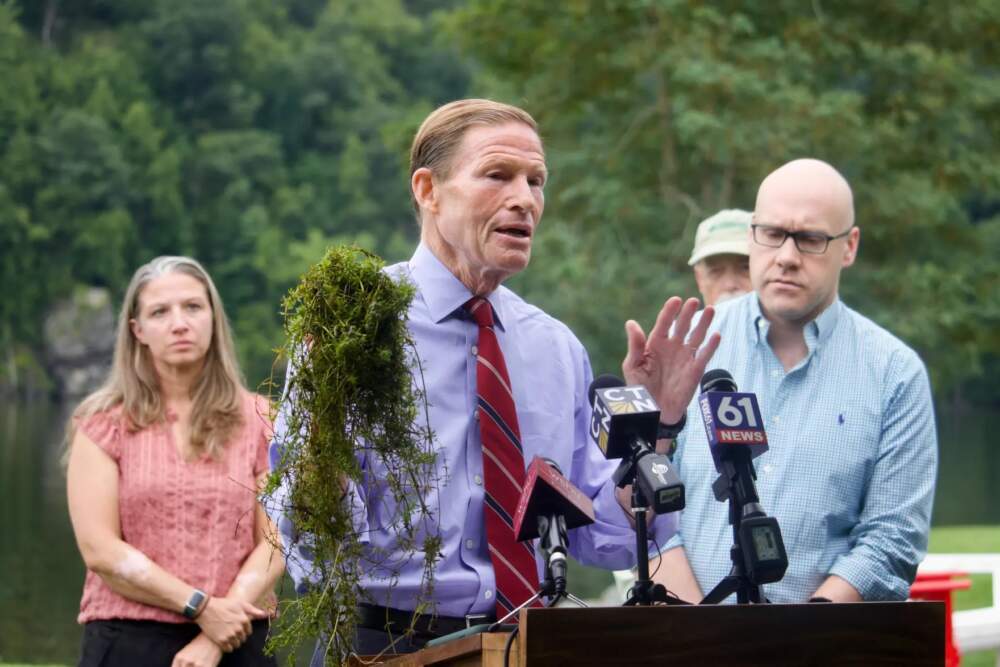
(48, 25)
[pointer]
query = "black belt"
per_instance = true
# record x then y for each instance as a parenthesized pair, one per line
(397, 622)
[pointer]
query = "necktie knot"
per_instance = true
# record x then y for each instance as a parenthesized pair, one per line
(480, 310)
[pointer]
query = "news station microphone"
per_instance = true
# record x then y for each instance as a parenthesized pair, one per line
(624, 424)
(549, 506)
(733, 424)
(623, 419)
(735, 432)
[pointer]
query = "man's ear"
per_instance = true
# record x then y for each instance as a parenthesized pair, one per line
(851, 247)
(424, 190)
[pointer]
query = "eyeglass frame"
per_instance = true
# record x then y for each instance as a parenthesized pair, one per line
(796, 236)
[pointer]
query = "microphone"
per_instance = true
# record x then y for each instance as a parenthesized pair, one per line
(624, 422)
(735, 433)
(549, 506)
(733, 424)
(623, 417)
(603, 381)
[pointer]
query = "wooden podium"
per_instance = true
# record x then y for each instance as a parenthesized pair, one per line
(864, 634)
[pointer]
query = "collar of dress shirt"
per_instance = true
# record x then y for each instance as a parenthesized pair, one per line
(443, 293)
(816, 332)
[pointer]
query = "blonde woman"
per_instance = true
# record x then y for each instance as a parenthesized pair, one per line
(163, 469)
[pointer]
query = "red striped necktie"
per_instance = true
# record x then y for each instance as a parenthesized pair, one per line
(503, 466)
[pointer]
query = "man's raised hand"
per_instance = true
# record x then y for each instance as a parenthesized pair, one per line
(669, 362)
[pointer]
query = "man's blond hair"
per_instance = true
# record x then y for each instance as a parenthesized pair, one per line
(441, 133)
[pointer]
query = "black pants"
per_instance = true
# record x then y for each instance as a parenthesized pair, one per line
(128, 643)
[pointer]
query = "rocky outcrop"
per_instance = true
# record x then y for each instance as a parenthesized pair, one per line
(79, 336)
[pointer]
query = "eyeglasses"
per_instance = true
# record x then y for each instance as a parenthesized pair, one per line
(810, 243)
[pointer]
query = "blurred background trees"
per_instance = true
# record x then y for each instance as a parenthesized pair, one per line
(251, 134)
(659, 113)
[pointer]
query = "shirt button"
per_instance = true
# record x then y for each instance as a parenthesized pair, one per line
(488, 594)
(475, 415)
(474, 350)
(776, 419)
(775, 373)
(478, 479)
(470, 544)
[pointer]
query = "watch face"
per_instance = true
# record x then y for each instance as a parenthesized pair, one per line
(764, 543)
(193, 603)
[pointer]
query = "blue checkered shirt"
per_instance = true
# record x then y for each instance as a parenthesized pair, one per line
(852, 461)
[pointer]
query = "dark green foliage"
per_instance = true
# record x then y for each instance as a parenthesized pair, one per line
(657, 114)
(345, 326)
(250, 134)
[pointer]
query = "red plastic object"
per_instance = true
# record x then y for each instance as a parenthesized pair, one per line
(938, 586)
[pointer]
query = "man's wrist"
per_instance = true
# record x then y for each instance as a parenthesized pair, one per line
(670, 431)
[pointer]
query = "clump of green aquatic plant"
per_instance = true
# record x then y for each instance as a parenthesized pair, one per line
(351, 396)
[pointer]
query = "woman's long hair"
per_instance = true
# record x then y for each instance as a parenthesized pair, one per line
(133, 384)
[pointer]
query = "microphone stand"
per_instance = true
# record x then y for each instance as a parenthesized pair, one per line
(644, 592)
(547, 589)
(742, 498)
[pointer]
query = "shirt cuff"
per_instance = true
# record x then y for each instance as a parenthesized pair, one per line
(673, 542)
(609, 542)
(869, 578)
(359, 514)
(614, 535)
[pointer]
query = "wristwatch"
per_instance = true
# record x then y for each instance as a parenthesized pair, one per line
(194, 604)
(670, 431)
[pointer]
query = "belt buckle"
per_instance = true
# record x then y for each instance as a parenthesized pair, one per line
(475, 619)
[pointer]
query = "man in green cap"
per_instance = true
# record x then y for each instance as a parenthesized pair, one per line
(721, 256)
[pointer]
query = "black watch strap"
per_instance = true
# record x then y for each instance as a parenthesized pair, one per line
(670, 431)
(194, 603)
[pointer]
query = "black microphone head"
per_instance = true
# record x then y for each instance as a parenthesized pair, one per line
(717, 379)
(605, 381)
(624, 417)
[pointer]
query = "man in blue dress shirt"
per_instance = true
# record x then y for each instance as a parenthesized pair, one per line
(477, 177)
(847, 407)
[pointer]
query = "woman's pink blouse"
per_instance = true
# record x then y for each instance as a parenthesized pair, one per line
(194, 519)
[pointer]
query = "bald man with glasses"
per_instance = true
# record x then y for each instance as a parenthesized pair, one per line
(847, 407)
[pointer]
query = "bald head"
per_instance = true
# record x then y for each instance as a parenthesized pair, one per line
(803, 204)
(812, 182)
